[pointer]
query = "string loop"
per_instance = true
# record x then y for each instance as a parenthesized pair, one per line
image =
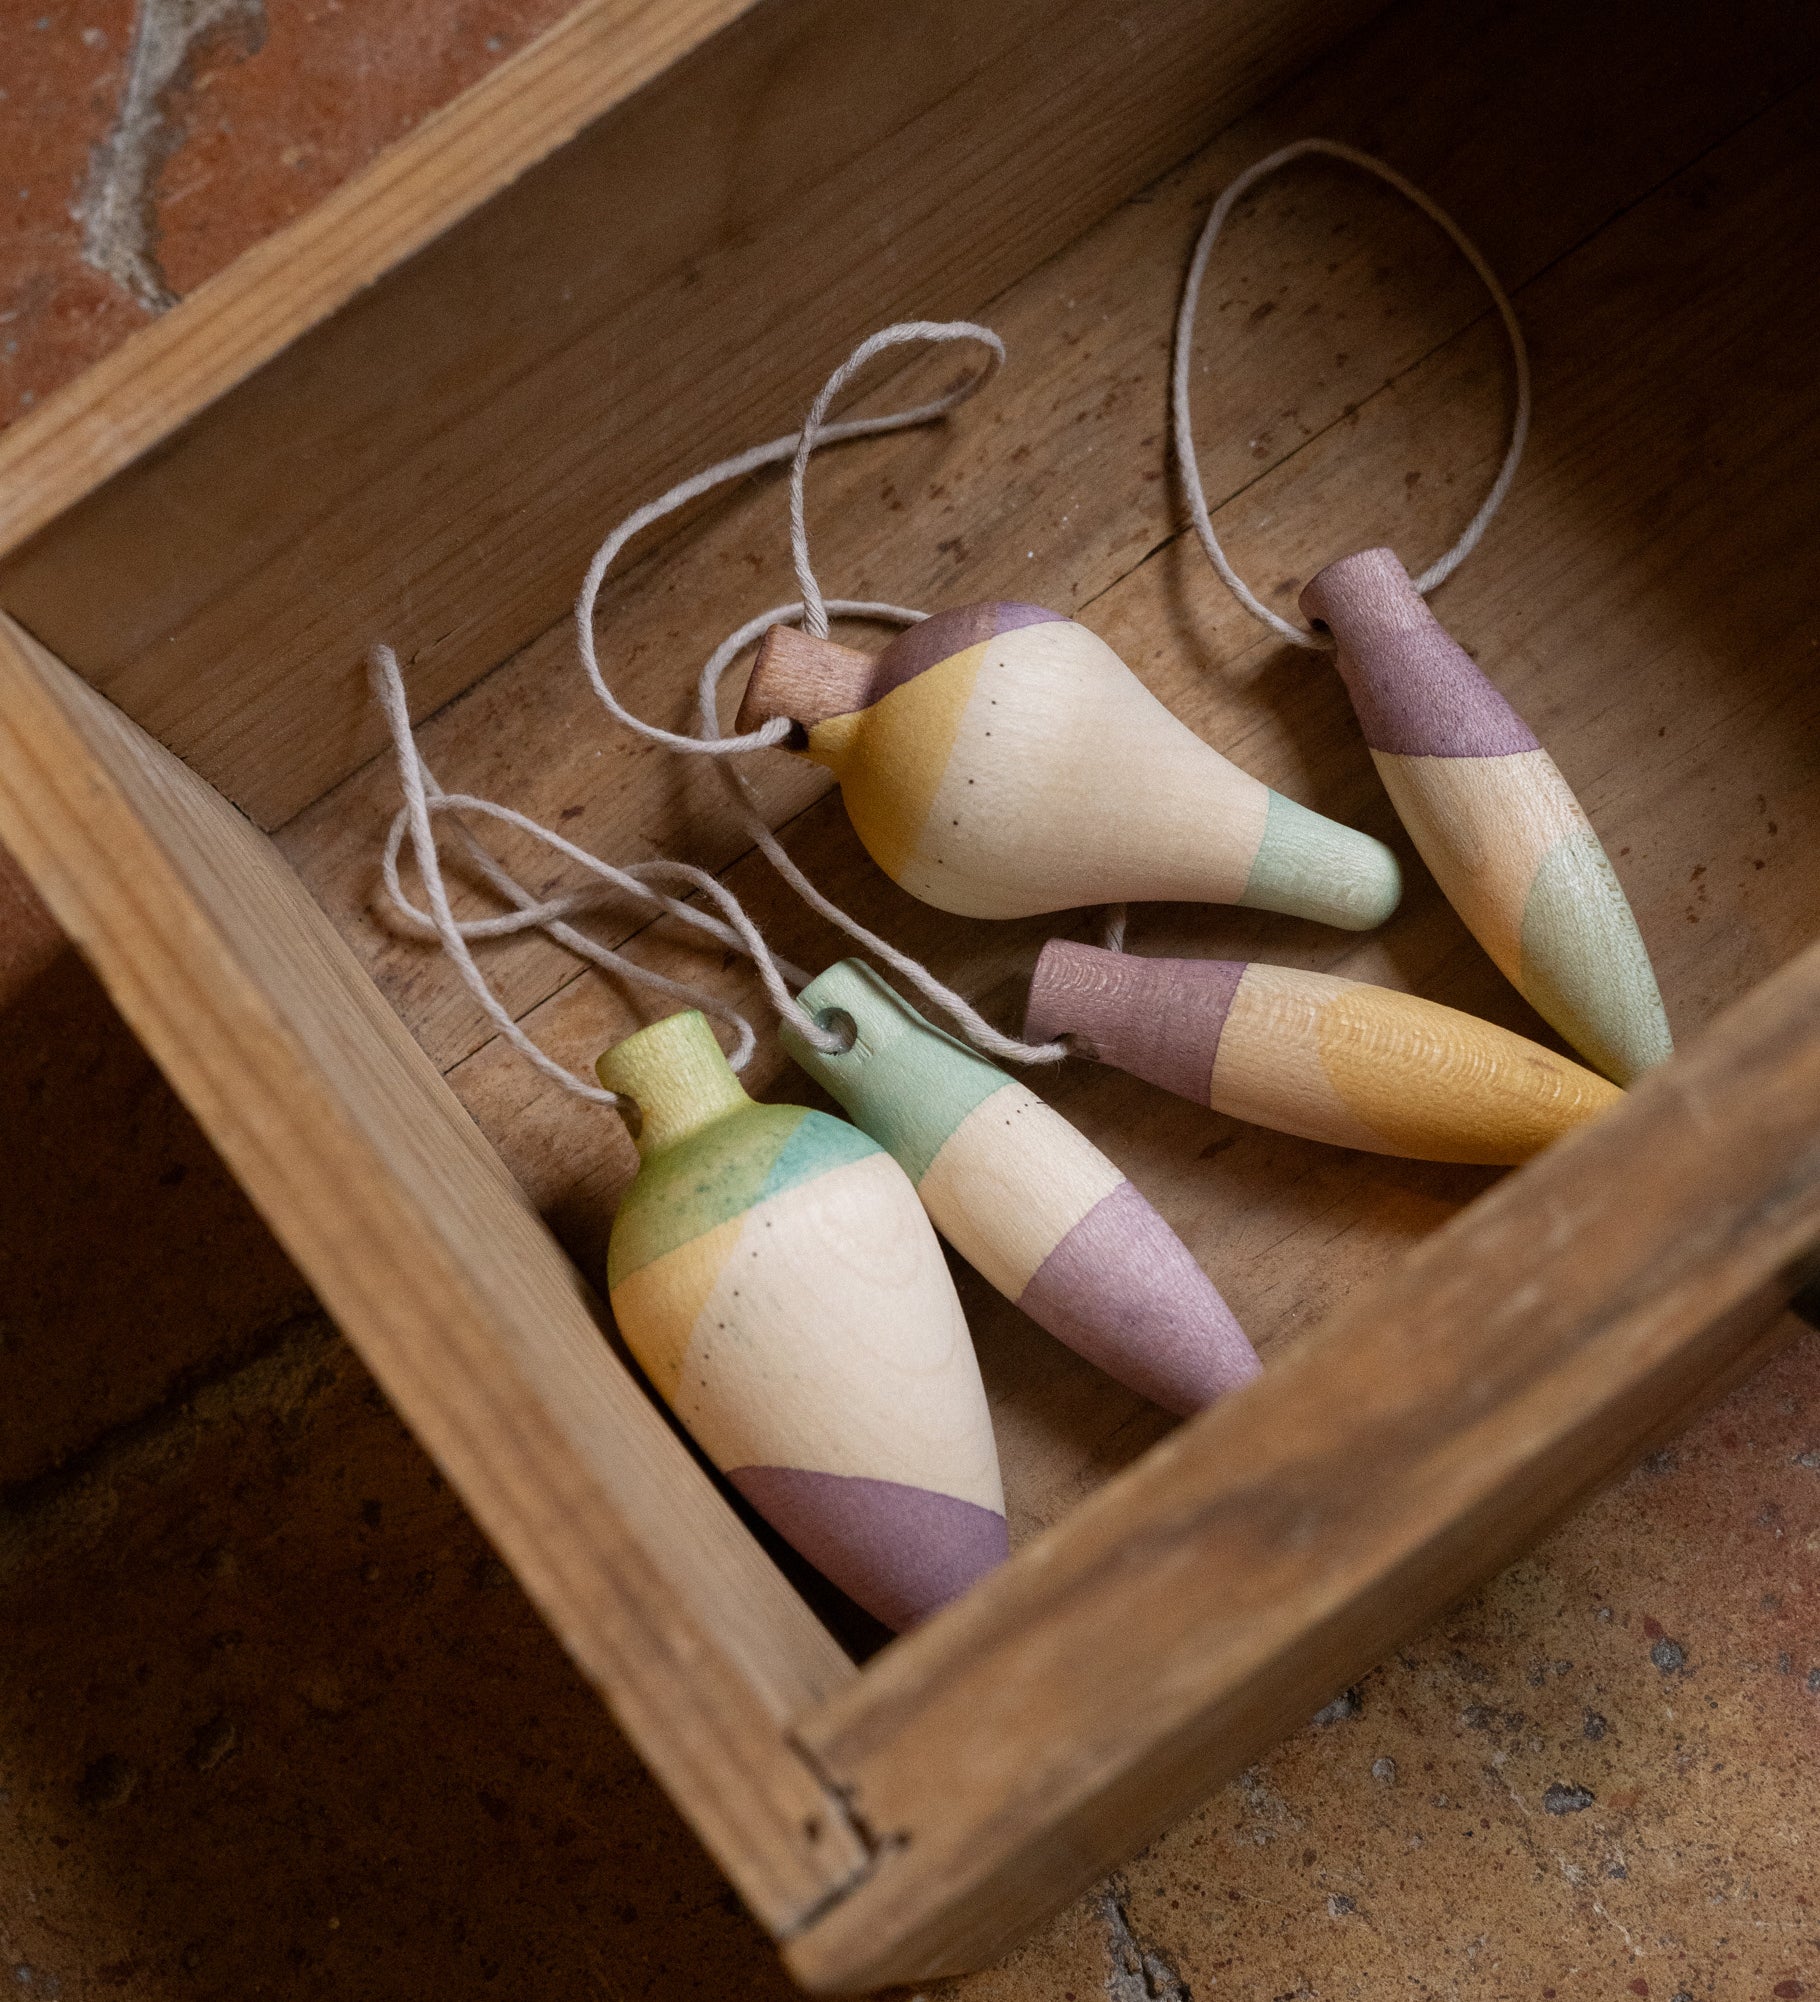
(1181, 416)
(813, 611)
(796, 447)
(424, 799)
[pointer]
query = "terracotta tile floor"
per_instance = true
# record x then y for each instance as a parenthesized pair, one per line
(273, 1721)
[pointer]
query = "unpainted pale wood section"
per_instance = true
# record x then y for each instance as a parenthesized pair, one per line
(1334, 288)
(1310, 1053)
(782, 1287)
(425, 1251)
(1213, 1596)
(152, 385)
(435, 463)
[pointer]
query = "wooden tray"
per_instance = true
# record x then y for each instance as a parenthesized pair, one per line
(640, 244)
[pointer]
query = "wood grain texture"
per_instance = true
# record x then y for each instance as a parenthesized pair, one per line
(427, 1254)
(458, 158)
(1006, 762)
(1646, 571)
(1309, 1053)
(776, 1278)
(434, 463)
(1281, 1541)
(1655, 336)
(1032, 1205)
(1019, 471)
(1492, 816)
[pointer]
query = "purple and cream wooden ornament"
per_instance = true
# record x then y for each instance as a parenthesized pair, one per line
(1492, 816)
(999, 760)
(1026, 1198)
(1329, 1059)
(1483, 802)
(780, 1284)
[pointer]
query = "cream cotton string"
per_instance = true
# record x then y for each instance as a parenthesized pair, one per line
(1181, 416)
(814, 612)
(424, 798)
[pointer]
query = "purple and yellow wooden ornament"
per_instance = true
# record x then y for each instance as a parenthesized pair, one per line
(779, 1283)
(1492, 816)
(1307, 1053)
(999, 760)
(1026, 1198)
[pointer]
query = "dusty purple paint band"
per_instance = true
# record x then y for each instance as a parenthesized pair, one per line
(901, 1552)
(1159, 1019)
(934, 640)
(1417, 691)
(1122, 1290)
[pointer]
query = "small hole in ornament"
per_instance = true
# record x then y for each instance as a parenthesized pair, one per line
(627, 1109)
(840, 1024)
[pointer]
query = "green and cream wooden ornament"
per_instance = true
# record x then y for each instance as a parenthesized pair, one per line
(781, 1286)
(999, 761)
(1025, 1197)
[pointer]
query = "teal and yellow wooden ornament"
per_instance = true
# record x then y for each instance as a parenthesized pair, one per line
(779, 1283)
(1025, 1197)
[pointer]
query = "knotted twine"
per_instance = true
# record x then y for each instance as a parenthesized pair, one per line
(425, 800)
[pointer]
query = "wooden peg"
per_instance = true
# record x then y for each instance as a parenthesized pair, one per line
(1026, 1198)
(1307, 1053)
(1492, 816)
(999, 760)
(805, 679)
(778, 1281)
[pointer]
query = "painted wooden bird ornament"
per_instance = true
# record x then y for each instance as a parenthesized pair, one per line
(998, 760)
(1493, 818)
(780, 1284)
(1307, 1053)
(1026, 1198)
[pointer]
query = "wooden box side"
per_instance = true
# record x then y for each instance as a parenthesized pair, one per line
(1210, 1598)
(432, 464)
(425, 1251)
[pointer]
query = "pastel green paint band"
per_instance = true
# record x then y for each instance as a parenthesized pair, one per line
(1311, 867)
(1585, 967)
(689, 1188)
(908, 1083)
